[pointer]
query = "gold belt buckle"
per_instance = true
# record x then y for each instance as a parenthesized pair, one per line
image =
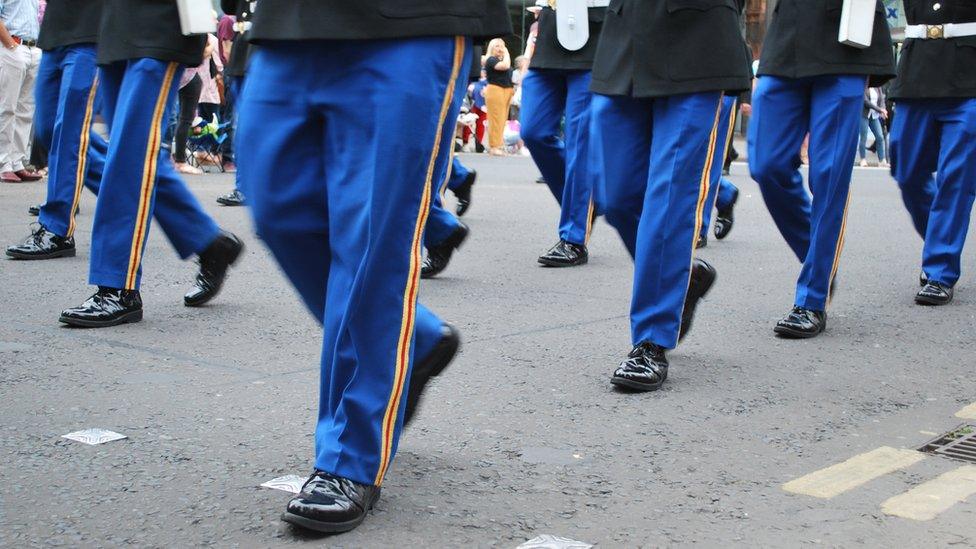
(935, 31)
(552, 4)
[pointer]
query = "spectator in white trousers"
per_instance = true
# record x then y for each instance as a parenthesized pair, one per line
(19, 60)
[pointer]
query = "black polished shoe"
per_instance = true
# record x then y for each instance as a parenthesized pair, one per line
(431, 366)
(440, 255)
(235, 198)
(725, 218)
(801, 323)
(923, 279)
(463, 193)
(107, 307)
(702, 242)
(565, 254)
(703, 277)
(214, 262)
(331, 504)
(43, 244)
(934, 293)
(645, 369)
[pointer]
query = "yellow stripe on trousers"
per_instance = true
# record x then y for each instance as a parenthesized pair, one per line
(148, 178)
(703, 187)
(840, 245)
(725, 149)
(589, 220)
(84, 140)
(413, 278)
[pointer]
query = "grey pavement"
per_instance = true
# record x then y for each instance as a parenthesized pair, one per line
(523, 435)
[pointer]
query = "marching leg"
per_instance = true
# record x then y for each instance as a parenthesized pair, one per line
(952, 206)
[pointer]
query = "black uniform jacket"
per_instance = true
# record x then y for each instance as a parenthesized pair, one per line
(68, 22)
(146, 28)
(656, 48)
(549, 54)
(240, 50)
(937, 68)
(378, 19)
(802, 41)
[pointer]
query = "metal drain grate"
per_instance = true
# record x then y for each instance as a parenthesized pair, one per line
(959, 443)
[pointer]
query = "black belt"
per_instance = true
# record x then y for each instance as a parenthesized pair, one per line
(22, 42)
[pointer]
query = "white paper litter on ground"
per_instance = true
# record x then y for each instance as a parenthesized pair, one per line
(547, 541)
(287, 483)
(94, 436)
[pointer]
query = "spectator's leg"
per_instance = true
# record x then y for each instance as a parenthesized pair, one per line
(13, 72)
(189, 98)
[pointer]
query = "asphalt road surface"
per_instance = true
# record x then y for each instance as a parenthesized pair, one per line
(523, 435)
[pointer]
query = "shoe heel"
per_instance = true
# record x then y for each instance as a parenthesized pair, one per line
(236, 254)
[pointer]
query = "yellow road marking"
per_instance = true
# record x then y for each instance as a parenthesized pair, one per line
(926, 501)
(969, 412)
(860, 469)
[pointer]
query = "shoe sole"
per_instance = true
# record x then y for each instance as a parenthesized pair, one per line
(790, 333)
(931, 302)
(720, 235)
(694, 299)
(636, 385)
(557, 264)
(30, 257)
(328, 527)
(134, 316)
(731, 219)
(466, 186)
(319, 526)
(233, 260)
(454, 241)
(443, 358)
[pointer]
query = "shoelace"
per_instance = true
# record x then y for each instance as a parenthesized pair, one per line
(37, 233)
(321, 480)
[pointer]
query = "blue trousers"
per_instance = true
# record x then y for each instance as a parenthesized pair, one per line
(547, 96)
(137, 97)
(340, 192)
(721, 191)
(459, 172)
(442, 223)
(783, 111)
(937, 136)
(657, 155)
(65, 98)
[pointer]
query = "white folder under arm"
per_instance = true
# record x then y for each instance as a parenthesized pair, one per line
(196, 17)
(857, 23)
